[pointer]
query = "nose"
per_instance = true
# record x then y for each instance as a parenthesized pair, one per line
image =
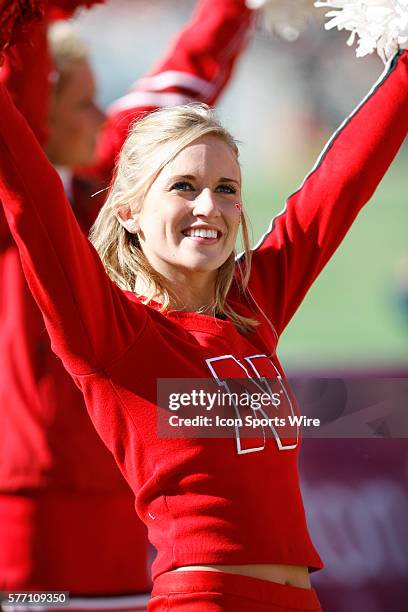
(206, 205)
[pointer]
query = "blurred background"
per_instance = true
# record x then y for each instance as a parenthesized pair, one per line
(284, 103)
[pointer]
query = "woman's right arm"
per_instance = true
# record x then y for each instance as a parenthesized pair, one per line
(90, 321)
(5, 236)
(26, 74)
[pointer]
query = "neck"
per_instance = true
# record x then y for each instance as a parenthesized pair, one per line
(192, 293)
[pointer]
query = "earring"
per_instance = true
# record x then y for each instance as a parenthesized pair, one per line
(130, 225)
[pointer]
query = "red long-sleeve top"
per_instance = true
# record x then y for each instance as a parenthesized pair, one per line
(204, 500)
(48, 442)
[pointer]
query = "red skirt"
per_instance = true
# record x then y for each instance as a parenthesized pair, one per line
(207, 591)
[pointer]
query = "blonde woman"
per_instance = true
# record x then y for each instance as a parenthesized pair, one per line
(170, 301)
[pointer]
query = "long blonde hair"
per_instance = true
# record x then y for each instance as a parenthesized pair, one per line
(152, 143)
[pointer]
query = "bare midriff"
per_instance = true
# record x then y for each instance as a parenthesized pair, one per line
(294, 575)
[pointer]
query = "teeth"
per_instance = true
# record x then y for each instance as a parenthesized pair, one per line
(201, 233)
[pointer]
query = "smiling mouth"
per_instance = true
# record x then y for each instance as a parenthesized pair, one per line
(206, 234)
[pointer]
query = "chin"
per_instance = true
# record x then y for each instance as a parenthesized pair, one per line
(203, 265)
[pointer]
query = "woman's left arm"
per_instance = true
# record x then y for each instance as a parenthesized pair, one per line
(316, 218)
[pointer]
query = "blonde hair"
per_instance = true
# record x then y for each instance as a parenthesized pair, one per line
(152, 143)
(67, 48)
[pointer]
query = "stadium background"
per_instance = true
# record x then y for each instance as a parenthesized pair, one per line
(283, 104)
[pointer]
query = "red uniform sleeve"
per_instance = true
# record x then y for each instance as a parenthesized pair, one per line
(5, 236)
(197, 67)
(26, 73)
(302, 238)
(90, 321)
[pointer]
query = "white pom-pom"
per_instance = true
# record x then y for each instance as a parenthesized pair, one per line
(287, 18)
(380, 25)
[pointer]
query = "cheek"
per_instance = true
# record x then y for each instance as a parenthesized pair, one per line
(234, 219)
(78, 124)
(153, 225)
(91, 121)
(84, 125)
(162, 218)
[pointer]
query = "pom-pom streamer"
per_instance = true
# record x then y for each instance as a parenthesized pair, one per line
(287, 18)
(380, 25)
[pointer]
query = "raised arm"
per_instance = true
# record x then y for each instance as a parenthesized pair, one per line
(90, 321)
(196, 67)
(26, 73)
(5, 235)
(302, 238)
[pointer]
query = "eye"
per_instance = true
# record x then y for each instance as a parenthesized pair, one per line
(182, 186)
(224, 188)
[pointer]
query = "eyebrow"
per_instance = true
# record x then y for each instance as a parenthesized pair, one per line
(191, 177)
(228, 180)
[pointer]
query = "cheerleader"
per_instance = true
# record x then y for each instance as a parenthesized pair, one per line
(162, 296)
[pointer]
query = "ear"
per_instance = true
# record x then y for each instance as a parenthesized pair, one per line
(128, 219)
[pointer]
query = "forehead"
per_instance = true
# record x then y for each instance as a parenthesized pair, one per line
(207, 155)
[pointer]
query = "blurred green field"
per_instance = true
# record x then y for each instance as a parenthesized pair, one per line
(351, 315)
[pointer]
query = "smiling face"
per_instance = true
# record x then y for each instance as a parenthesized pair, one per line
(190, 216)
